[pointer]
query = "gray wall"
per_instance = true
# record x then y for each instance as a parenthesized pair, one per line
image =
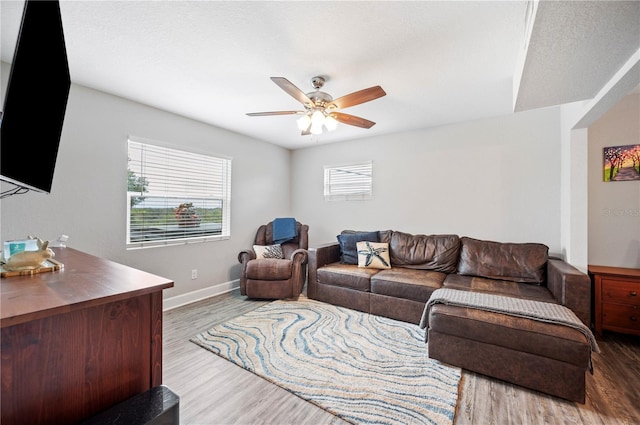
(614, 207)
(88, 199)
(496, 178)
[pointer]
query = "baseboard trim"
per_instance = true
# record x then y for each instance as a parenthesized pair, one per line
(200, 294)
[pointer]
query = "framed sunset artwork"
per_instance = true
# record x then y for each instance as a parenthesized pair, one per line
(621, 163)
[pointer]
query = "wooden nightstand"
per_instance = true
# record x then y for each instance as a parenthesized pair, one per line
(617, 299)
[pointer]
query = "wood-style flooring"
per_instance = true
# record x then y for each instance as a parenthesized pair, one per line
(215, 391)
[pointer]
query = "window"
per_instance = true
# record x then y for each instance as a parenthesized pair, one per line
(348, 182)
(174, 196)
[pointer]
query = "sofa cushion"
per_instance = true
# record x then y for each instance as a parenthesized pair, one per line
(517, 262)
(348, 240)
(346, 275)
(499, 287)
(434, 252)
(398, 282)
(374, 255)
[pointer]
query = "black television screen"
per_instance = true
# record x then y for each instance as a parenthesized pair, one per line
(36, 99)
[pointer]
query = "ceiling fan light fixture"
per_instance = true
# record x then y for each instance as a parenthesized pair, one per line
(330, 123)
(317, 121)
(317, 118)
(303, 122)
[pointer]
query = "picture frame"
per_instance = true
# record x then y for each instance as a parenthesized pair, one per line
(621, 163)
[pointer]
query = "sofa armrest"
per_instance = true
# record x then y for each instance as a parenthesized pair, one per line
(320, 256)
(571, 288)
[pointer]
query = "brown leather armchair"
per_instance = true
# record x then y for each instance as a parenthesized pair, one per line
(275, 278)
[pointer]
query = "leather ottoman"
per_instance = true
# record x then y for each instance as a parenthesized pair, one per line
(546, 357)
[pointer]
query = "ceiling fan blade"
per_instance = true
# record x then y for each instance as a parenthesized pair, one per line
(352, 120)
(293, 91)
(358, 97)
(265, 114)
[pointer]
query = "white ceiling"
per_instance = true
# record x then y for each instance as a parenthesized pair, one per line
(439, 62)
(577, 46)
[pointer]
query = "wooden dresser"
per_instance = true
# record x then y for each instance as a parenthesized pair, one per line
(79, 340)
(616, 299)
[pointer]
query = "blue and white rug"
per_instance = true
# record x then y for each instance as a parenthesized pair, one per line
(362, 368)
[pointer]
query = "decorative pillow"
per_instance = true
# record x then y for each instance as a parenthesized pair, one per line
(348, 240)
(268, 251)
(373, 255)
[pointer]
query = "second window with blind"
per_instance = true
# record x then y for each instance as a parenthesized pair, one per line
(352, 182)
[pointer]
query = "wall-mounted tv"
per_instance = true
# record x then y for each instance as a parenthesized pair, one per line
(35, 99)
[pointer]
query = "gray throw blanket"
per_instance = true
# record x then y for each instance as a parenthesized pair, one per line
(535, 310)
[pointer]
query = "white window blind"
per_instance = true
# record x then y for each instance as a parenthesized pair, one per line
(175, 196)
(348, 182)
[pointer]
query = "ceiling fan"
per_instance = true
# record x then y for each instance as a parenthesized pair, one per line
(321, 110)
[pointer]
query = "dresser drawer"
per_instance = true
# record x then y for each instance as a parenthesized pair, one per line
(617, 299)
(616, 291)
(621, 316)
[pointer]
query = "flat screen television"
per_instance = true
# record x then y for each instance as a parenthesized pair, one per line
(36, 99)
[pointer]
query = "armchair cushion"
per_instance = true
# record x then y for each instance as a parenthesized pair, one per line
(269, 269)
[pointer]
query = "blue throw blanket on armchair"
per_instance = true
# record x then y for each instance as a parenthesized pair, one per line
(284, 229)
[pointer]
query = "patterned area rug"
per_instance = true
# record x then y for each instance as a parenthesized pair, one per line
(362, 368)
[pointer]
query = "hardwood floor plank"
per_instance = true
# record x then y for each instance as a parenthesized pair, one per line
(215, 391)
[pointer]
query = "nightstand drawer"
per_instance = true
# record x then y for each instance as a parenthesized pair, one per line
(616, 291)
(621, 316)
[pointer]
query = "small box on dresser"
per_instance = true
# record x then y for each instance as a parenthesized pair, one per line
(617, 299)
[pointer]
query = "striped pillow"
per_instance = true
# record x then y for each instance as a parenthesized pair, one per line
(268, 251)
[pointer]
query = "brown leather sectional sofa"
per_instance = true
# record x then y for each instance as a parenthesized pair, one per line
(547, 357)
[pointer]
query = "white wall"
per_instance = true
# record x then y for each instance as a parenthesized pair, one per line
(88, 200)
(614, 207)
(496, 178)
(573, 186)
